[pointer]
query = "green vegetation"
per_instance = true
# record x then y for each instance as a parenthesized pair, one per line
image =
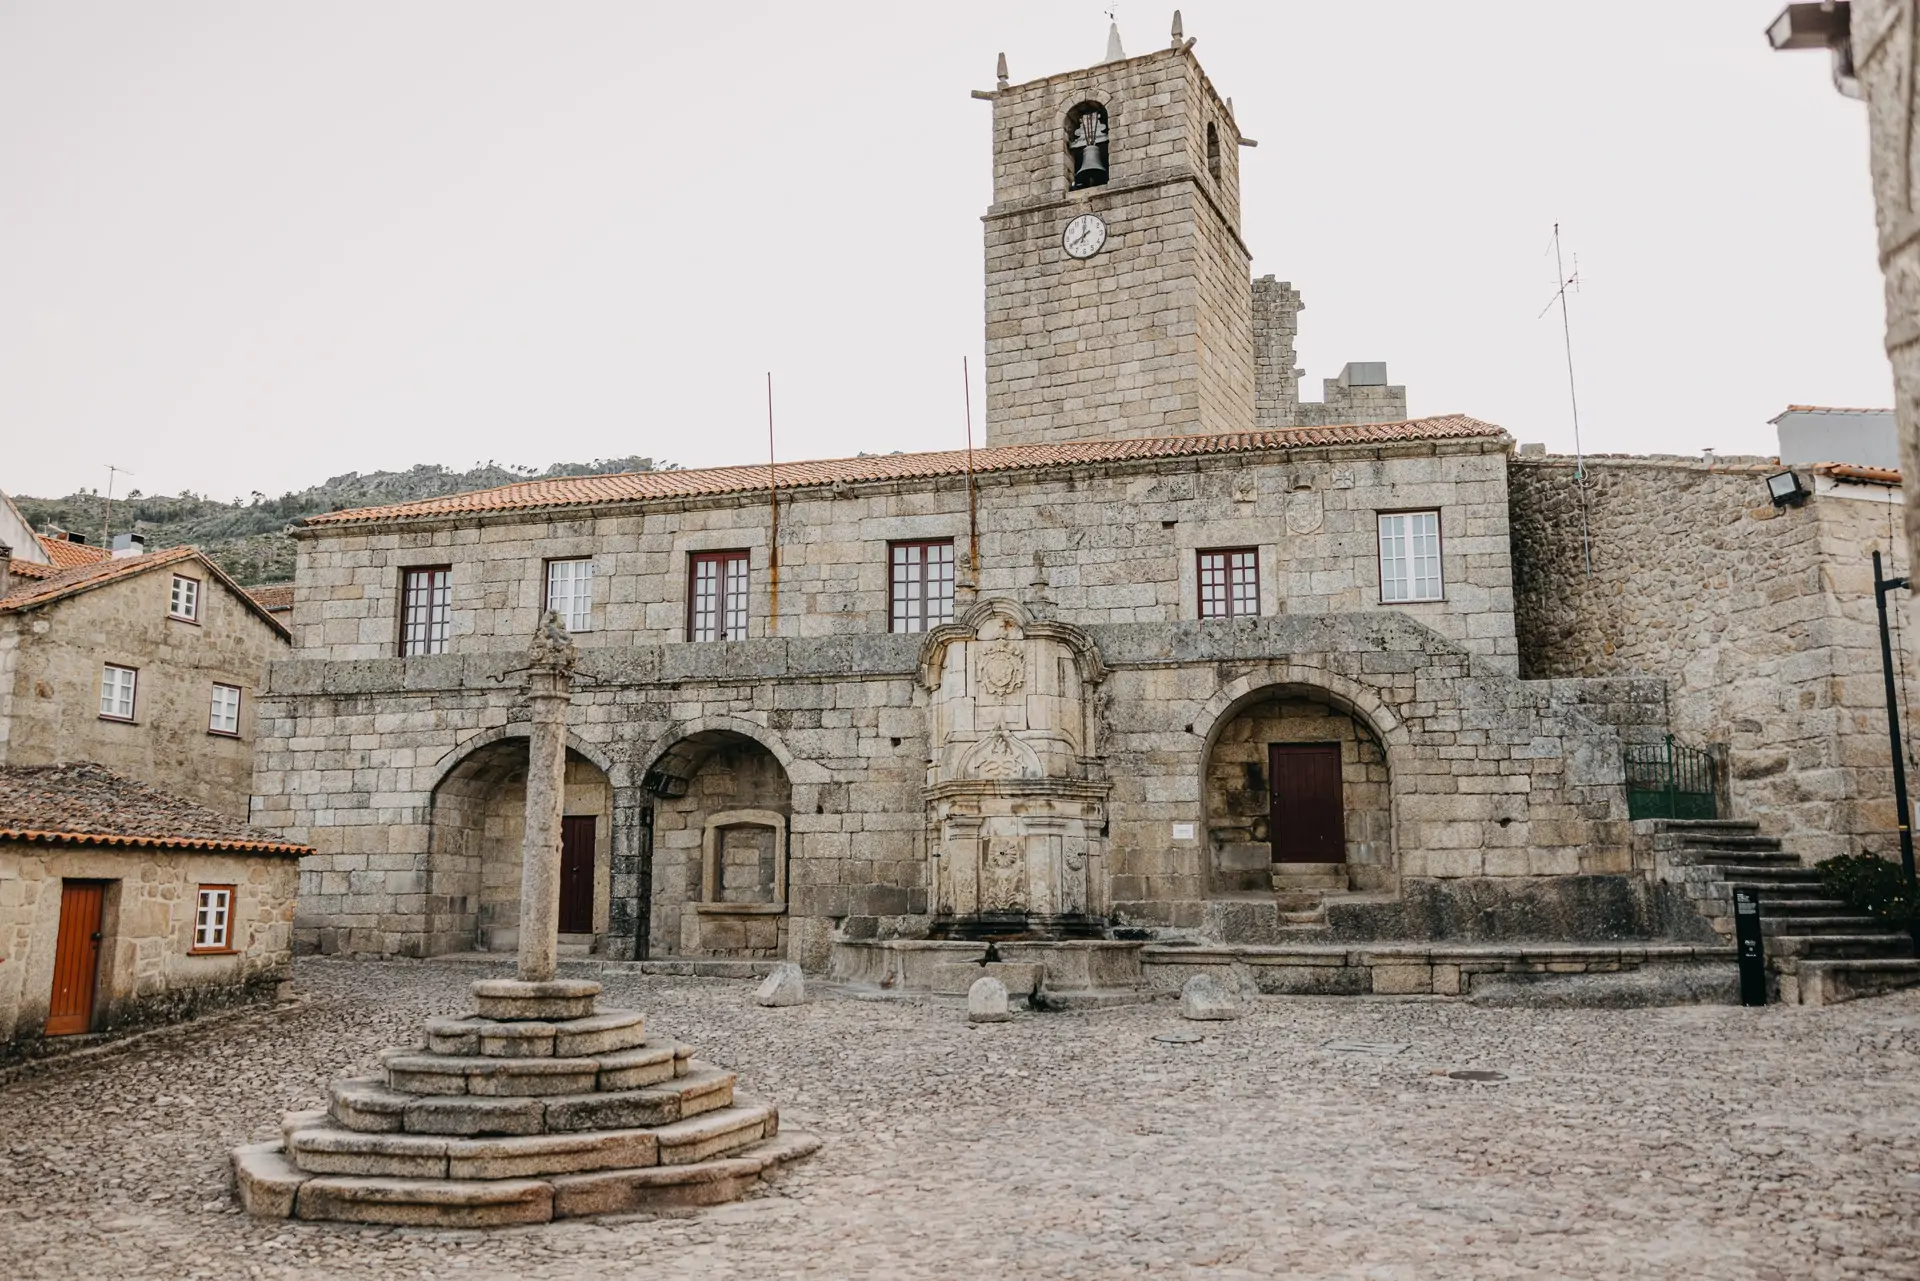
(1868, 882)
(247, 537)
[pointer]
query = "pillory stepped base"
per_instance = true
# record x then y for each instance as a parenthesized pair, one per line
(537, 1107)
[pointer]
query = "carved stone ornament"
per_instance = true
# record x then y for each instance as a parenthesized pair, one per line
(1003, 853)
(1003, 670)
(1005, 890)
(1001, 757)
(1304, 513)
(552, 647)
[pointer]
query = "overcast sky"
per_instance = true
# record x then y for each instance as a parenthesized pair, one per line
(248, 245)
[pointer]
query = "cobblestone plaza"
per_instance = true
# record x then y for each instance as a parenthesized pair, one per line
(1704, 1142)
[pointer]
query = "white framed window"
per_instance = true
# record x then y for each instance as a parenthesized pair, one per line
(183, 600)
(116, 692)
(213, 919)
(1230, 583)
(922, 577)
(224, 718)
(570, 593)
(1410, 556)
(717, 596)
(425, 595)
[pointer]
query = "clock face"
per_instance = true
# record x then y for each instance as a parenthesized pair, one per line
(1084, 236)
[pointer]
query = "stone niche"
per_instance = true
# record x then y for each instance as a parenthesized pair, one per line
(1017, 802)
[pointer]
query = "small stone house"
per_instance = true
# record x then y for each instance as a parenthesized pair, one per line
(122, 906)
(147, 664)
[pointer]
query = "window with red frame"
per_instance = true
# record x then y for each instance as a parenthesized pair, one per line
(1230, 583)
(717, 596)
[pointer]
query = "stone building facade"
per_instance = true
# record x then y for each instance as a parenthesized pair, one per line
(122, 906)
(1760, 619)
(1158, 659)
(148, 664)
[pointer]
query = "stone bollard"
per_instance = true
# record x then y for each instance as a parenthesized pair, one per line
(785, 986)
(1206, 997)
(987, 1002)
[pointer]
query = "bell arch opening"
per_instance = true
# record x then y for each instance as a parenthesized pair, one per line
(1297, 790)
(720, 847)
(1087, 164)
(476, 847)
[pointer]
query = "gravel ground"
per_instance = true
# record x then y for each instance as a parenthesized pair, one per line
(1702, 1142)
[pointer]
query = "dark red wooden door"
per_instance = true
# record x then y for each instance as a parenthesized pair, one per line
(1306, 817)
(576, 874)
(76, 957)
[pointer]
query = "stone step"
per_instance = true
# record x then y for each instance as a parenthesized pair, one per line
(704, 1088)
(1797, 906)
(1831, 982)
(1769, 874)
(423, 1072)
(271, 1186)
(1736, 858)
(328, 1150)
(1295, 877)
(1809, 924)
(1836, 946)
(1732, 825)
(716, 1133)
(537, 1038)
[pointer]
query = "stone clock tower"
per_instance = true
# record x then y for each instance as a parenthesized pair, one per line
(1118, 290)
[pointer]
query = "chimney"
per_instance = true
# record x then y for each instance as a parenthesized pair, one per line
(6, 570)
(128, 545)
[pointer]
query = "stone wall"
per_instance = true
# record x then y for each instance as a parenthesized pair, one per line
(1116, 544)
(1490, 776)
(1152, 335)
(1760, 619)
(146, 973)
(734, 774)
(54, 657)
(1277, 404)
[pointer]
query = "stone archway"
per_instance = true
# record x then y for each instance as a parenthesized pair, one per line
(477, 826)
(1259, 726)
(723, 803)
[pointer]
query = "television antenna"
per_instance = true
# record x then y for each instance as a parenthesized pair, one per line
(1564, 281)
(106, 519)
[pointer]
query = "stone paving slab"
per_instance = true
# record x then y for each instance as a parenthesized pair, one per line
(1710, 1143)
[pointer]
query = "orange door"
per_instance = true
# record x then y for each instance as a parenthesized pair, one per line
(76, 957)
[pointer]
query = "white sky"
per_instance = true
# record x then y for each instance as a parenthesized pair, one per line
(249, 245)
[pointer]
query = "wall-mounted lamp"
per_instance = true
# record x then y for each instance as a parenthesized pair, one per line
(1824, 25)
(1785, 489)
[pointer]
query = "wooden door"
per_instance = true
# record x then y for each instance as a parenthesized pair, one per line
(1306, 813)
(576, 874)
(76, 957)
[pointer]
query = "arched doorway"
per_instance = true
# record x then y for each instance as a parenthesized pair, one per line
(479, 825)
(1297, 789)
(720, 848)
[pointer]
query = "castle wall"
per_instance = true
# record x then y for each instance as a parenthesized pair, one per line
(1760, 619)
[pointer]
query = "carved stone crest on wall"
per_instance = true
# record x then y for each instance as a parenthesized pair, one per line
(1002, 756)
(1003, 669)
(1005, 890)
(1304, 513)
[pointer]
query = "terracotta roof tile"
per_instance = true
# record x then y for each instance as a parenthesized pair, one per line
(275, 598)
(574, 491)
(67, 554)
(1859, 472)
(87, 804)
(33, 569)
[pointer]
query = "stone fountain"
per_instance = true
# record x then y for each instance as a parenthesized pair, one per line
(536, 1106)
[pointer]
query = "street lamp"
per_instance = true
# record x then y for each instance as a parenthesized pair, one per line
(1881, 586)
(1819, 26)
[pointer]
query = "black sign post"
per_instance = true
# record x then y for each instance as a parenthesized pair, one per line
(1751, 946)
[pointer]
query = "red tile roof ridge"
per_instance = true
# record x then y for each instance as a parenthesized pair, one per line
(1859, 471)
(1836, 409)
(67, 554)
(568, 491)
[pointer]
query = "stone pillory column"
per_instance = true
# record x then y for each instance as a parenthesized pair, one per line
(537, 1106)
(550, 661)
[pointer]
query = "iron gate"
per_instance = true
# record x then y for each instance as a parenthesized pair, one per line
(1670, 780)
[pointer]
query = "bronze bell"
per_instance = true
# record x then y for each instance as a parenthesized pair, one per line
(1092, 170)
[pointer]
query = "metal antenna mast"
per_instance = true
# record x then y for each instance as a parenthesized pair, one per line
(106, 519)
(1563, 282)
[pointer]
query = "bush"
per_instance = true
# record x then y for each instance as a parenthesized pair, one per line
(1870, 883)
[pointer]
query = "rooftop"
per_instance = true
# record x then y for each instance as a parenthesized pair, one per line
(581, 491)
(88, 804)
(34, 592)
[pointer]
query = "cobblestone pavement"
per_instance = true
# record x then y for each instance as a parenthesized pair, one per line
(1702, 1142)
